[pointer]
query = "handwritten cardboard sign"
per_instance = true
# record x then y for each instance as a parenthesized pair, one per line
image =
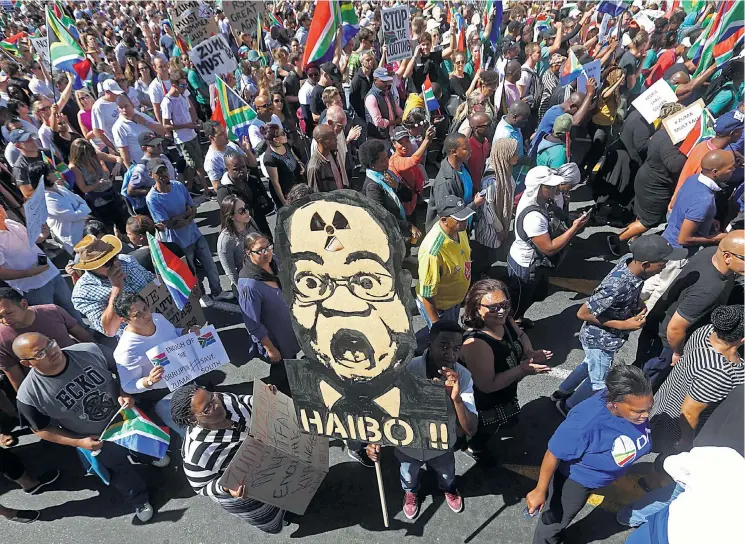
(159, 300)
(278, 464)
(589, 70)
(188, 357)
(651, 101)
(680, 124)
(36, 213)
(397, 32)
(41, 46)
(213, 57)
(243, 16)
(193, 20)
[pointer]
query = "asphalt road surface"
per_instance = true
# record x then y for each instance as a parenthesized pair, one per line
(81, 510)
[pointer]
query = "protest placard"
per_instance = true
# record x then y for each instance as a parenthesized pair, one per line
(648, 104)
(604, 27)
(35, 209)
(680, 124)
(213, 57)
(160, 300)
(193, 20)
(243, 16)
(189, 356)
(644, 22)
(41, 46)
(278, 464)
(397, 32)
(589, 70)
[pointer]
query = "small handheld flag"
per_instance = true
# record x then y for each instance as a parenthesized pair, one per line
(571, 69)
(132, 429)
(175, 273)
(231, 111)
(429, 96)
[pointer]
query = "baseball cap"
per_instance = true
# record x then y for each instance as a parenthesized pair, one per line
(686, 42)
(332, 70)
(728, 122)
(153, 165)
(382, 74)
(543, 175)
(19, 135)
(653, 248)
(562, 124)
(253, 56)
(149, 138)
(399, 133)
(112, 86)
(455, 207)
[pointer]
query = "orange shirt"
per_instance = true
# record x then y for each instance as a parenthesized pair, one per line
(411, 173)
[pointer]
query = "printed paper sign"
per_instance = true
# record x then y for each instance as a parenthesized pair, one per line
(589, 70)
(189, 356)
(278, 464)
(243, 16)
(651, 101)
(397, 32)
(160, 300)
(41, 46)
(680, 124)
(644, 21)
(193, 20)
(213, 57)
(36, 213)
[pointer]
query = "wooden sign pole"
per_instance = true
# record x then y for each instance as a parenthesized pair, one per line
(381, 489)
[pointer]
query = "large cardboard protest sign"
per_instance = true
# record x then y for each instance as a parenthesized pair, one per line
(349, 301)
(189, 356)
(243, 16)
(680, 124)
(160, 300)
(41, 46)
(35, 209)
(589, 70)
(397, 32)
(193, 20)
(277, 463)
(649, 103)
(213, 57)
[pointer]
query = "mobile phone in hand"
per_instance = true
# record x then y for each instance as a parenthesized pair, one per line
(41, 260)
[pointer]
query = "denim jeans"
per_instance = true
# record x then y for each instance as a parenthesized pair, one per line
(636, 513)
(654, 531)
(56, 292)
(163, 409)
(575, 378)
(451, 314)
(598, 363)
(201, 250)
(124, 477)
(444, 466)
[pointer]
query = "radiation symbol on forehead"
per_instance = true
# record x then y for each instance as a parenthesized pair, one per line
(339, 222)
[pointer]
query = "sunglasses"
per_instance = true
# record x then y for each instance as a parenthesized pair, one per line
(314, 74)
(499, 306)
(277, 100)
(262, 250)
(264, 106)
(240, 211)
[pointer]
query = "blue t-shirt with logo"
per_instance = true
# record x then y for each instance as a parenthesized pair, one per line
(595, 447)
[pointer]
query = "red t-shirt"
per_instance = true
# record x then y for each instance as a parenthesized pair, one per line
(664, 61)
(51, 321)
(479, 153)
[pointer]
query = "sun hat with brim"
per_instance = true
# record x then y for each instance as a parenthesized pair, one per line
(94, 252)
(543, 175)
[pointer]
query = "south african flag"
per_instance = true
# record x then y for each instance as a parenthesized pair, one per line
(232, 112)
(132, 429)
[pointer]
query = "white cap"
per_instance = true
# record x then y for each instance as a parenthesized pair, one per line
(112, 86)
(432, 25)
(686, 42)
(543, 175)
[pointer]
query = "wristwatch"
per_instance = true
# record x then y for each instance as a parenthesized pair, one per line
(148, 382)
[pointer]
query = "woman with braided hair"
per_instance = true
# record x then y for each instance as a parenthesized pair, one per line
(217, 424)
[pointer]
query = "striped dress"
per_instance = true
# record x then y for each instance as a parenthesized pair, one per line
(208, 452)
(702, 374)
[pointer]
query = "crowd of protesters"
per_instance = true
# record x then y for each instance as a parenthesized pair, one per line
(480, 186)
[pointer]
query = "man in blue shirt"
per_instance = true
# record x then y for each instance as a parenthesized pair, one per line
(173, 211)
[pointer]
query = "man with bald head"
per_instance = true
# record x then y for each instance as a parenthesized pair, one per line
(69, 397)
(325, 168)
(704, 283)
(335, 117)
(264, 116)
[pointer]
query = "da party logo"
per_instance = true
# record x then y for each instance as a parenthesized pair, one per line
(160, 360)
(624, 450)
(207, 339)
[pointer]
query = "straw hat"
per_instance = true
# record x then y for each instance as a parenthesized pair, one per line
(94, 252)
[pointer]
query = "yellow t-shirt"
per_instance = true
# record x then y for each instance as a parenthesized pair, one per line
(444, 268)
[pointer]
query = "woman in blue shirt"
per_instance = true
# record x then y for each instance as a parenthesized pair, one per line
(596, 445)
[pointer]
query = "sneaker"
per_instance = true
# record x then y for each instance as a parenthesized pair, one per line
(161, 463)
(45, 479)
(455, 501)
(561, 406)
(361, 457)
(614, 245)
(225, 295)
(559, 395)
(144, 513)
(205, 301)
(411, 505)
(26, 516)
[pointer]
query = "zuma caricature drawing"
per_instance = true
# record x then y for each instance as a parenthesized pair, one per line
(342, 278)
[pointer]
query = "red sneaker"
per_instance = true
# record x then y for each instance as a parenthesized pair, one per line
(455, 501)
(411, 505)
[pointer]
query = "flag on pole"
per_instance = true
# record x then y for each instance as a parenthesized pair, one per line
(571, 69)
(65, 54)
(231, 111)
(10, 44)
(66, 20)
(702, 130)
(724, 32)
(320, 45)
(350, 23)
(173, 271)
(132, 429)
(495, 5)
(613, 7)
(429, 95)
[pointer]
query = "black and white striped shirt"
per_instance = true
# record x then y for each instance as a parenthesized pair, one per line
(207, 453)
(702, 374)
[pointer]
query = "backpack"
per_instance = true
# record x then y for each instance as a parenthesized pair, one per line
(556, 227)
(536, 89)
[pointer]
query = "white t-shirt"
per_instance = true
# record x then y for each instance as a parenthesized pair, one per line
(214, 161)
(303, 95)
(104, 115)
(16, 255)
(254, 130)
(38, 86)
(534, 224)
(157, 91)
(131, 361)
(126, 133)
(176, 109)
(134, 97)
(45, 137)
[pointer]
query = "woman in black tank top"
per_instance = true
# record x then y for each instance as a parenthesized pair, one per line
(498, 354)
